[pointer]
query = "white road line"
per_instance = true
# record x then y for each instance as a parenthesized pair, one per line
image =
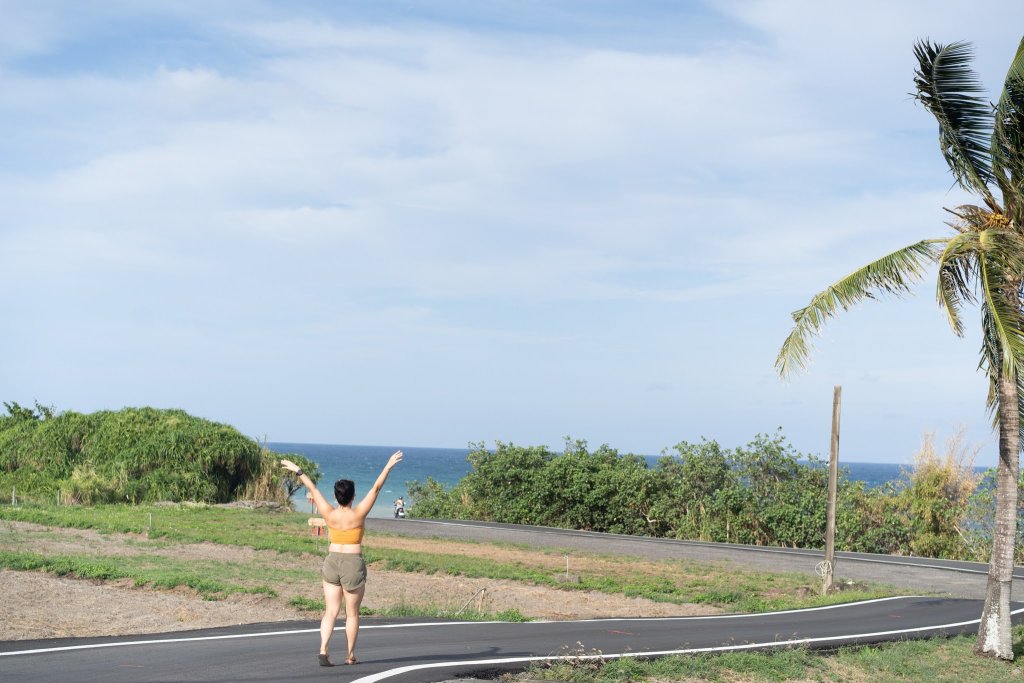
(235, 636)
(373, 678)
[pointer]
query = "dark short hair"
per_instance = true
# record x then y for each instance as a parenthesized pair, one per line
(344, 491)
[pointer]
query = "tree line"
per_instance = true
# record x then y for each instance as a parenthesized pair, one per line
(763, 493)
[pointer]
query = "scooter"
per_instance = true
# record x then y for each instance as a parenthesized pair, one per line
(399, 511)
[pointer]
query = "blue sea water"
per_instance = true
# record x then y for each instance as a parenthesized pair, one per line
(362, 464)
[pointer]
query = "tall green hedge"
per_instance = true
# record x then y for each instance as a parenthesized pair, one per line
(131, 455)
(764, 493)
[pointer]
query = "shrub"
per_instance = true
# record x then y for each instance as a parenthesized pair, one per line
(938, 498)
(134, 455)
(764, 493)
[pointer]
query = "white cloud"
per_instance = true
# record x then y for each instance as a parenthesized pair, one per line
(329, 183)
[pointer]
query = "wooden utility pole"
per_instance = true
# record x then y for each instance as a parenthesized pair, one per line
(829, 565)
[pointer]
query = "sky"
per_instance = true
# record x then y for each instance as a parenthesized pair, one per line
(435, 224)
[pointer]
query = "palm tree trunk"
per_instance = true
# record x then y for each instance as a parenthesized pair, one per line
(994, 638)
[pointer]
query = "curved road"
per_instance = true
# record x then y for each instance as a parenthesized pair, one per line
(403, 650)
(917, 574)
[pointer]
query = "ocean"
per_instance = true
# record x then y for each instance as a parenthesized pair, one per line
(362, 464)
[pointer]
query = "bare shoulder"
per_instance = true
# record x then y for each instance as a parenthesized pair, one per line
(344, 518)
(334, 518)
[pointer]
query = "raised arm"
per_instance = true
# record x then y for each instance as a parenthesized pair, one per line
(322, 505)
(363, 508)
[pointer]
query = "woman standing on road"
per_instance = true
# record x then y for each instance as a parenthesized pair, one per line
(343, 571)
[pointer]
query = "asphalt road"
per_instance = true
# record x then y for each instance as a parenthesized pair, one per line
(403, 651)
(916, 574)
(418, 650)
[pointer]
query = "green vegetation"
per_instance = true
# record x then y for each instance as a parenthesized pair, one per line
(429, 611)
(940, 661)
(312, 605)
(673, 581)
(259, 529)
(765, 493)
(676, 582)
(135, 455)
(160, 573)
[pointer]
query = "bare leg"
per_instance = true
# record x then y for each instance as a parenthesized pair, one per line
(353, 599)
(332, 606)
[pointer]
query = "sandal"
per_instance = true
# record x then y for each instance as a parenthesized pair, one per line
(325, 660)
(351, 660)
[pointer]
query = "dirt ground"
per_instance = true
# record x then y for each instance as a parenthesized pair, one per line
(38, 605)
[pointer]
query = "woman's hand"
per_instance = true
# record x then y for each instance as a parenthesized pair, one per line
(396, 458)
(290, 466)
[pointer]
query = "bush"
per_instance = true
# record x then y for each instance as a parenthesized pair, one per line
(134, 455)
(759, 494)
(764, 493)
(600, 491)
(939, 497)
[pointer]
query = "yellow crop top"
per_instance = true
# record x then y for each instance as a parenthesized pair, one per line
(347, 536)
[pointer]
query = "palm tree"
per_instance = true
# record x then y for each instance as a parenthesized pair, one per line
(981, 263)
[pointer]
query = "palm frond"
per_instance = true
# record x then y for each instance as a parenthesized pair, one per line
(1008, 139)
(891, 274)
(990, 364)
(946, 85)
(971, 218)
(958, 268)
(1005, 334)
(1003, 252)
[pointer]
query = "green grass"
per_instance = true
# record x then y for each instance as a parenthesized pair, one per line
(430, 611)
(782, 665)
(308, 604)
(680, 582)
(736, 590)
(262, 530)
(935, 661)
(160, 574)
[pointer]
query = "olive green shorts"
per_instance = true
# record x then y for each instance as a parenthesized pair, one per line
(344, 569)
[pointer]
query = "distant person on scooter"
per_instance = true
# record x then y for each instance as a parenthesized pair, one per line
(343, 571)
(400, 507)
